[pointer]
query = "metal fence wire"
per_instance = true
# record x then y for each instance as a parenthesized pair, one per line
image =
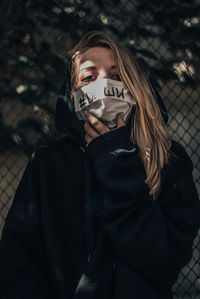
(163, 35)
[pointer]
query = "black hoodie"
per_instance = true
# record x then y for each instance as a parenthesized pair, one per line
(82, 223)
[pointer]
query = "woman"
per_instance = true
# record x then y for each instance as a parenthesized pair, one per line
(110, 210)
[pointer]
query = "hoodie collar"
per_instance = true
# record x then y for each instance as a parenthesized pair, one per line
(68, 123)
(66, 120)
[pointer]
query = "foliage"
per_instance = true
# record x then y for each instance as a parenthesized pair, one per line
(35, 36)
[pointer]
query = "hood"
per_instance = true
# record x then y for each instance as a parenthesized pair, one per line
(66, 120)
(68, 123)
(98, 245)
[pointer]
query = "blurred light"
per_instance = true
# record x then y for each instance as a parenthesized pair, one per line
(21, 88)
(104, 19)
(182, 68)
(81, 13)
(57, 10)
(36, 108)
(16, 138)
(27, 37)
(46, 129)
(69, 9)
(46, 119)
(23, 58)
(192, 21)
(189, 53)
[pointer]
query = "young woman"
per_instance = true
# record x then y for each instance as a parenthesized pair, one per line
(110, 210)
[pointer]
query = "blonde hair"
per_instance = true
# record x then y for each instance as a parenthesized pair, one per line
(148, 129)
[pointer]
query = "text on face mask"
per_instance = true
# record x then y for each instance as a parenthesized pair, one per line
(89, 97)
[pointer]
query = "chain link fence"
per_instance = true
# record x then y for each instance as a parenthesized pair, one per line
(174, 67)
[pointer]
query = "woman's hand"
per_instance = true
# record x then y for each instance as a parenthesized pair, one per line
(94, 127)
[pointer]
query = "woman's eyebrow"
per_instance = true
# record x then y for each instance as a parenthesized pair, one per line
(91, 68)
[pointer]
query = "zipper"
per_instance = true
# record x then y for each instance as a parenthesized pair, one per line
(89, 234)
(82, 148)
(89, 257)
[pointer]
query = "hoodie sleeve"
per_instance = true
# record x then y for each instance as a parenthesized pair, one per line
(22, 264)
(153, 237)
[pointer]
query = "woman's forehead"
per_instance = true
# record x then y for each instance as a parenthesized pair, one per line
(96, 56)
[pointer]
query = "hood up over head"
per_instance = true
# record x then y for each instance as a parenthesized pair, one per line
(101, 274)
(68, 123)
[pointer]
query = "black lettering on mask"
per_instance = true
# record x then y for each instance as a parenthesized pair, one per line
(84, 99)
(90, 97)
(120, 94)
(115, 92)
(109, 94)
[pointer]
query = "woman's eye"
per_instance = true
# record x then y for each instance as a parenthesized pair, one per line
(116, 77)
(88, 78)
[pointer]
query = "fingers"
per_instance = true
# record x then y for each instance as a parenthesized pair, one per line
(94, 127)
(120, 120)
(96, 123)
(88, 138)
(90, 131)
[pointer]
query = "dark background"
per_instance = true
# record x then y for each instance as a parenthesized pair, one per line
(34, 39)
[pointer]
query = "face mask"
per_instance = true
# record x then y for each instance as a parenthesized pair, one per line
(104, 98)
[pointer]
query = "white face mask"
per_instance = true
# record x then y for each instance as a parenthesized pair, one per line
(104, 98)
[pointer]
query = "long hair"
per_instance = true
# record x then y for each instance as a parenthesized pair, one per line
(148, 129)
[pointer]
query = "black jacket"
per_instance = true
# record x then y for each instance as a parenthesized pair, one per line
(82, 224)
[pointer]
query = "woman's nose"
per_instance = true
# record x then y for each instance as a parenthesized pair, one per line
(103, 74)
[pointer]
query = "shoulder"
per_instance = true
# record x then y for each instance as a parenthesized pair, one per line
(179, 157)
(177, 178)
(178, 166)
